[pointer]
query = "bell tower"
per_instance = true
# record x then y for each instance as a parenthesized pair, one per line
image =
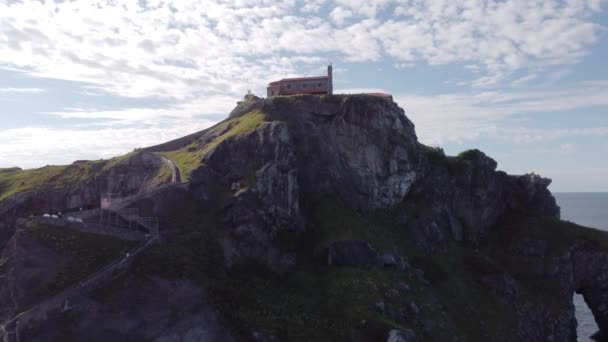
(330, 78)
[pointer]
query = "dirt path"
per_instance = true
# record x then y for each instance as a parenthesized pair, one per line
(176, 177)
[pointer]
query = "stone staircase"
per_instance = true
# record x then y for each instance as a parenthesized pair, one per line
(10, 330)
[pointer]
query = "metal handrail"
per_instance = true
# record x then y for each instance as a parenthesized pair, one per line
(136, 250)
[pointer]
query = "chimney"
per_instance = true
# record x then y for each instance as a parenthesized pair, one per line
(330, 86)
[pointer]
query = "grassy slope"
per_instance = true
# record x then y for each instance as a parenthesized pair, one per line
(55, 176)
(558, 237)
(16, 181)
(87, 252)
(163, 175)
(190, 156)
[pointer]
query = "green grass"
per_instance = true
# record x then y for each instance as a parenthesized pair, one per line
(186, 159)
(317, 302)
(163, 175)
(9, 170)
(468, 153)
(52, 176)
(88, 253)
(311, 304)
(20, 181)
(117, 160)
(190, 157)
(13, 181)
(556, 236)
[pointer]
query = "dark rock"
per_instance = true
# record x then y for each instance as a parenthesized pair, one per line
(392, 311)
(261, 336)
(456, 228)
(503, 286)
(353, 253)
(413, 307)
(406, 335)
(476, 195)
(391, 294)
(360, 149)
(258, 212)
(179, 309)
(381, 307)
(403, 287)
(388, 259)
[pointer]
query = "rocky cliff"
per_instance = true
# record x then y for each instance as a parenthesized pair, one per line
(323, 218)
(54, 189)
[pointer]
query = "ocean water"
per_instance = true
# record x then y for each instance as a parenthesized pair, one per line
(591, 210)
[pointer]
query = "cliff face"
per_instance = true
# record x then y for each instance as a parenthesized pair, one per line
(364, 151)
(323, 218)
(54, 189)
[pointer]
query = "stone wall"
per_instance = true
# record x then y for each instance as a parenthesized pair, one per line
(92, 228)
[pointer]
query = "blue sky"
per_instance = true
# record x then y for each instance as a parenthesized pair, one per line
(525, 81)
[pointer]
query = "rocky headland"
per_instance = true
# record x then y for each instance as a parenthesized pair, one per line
(306, 218)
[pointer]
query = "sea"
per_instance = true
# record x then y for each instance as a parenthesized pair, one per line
(588, 209)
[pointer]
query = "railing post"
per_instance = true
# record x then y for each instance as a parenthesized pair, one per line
(17, 335)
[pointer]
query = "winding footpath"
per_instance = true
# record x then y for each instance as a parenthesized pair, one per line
(10, 329)
(176, 176)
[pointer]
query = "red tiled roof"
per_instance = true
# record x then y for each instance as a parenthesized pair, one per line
(379, 94)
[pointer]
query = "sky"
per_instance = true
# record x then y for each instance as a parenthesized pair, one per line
(525, 81)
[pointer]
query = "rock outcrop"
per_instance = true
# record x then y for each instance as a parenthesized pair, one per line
(363, 150)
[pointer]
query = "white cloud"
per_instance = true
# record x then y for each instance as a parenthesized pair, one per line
(340, 14)
(569, 148)
(188, 49)
(202, 55)
(465, 116)
(38, 146)
(21, 90)
(312, 6)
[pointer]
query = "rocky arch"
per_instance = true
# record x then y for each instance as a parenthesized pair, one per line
(590, 275)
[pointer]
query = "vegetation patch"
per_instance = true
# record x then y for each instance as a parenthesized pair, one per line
(555, 234)
(88, 253)
(190, 156)
(468, 154)
(10, 170)
(551, 238)
(163, 175)
(20, 181)
(317, 302)
(117, 160)
(15, 180)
